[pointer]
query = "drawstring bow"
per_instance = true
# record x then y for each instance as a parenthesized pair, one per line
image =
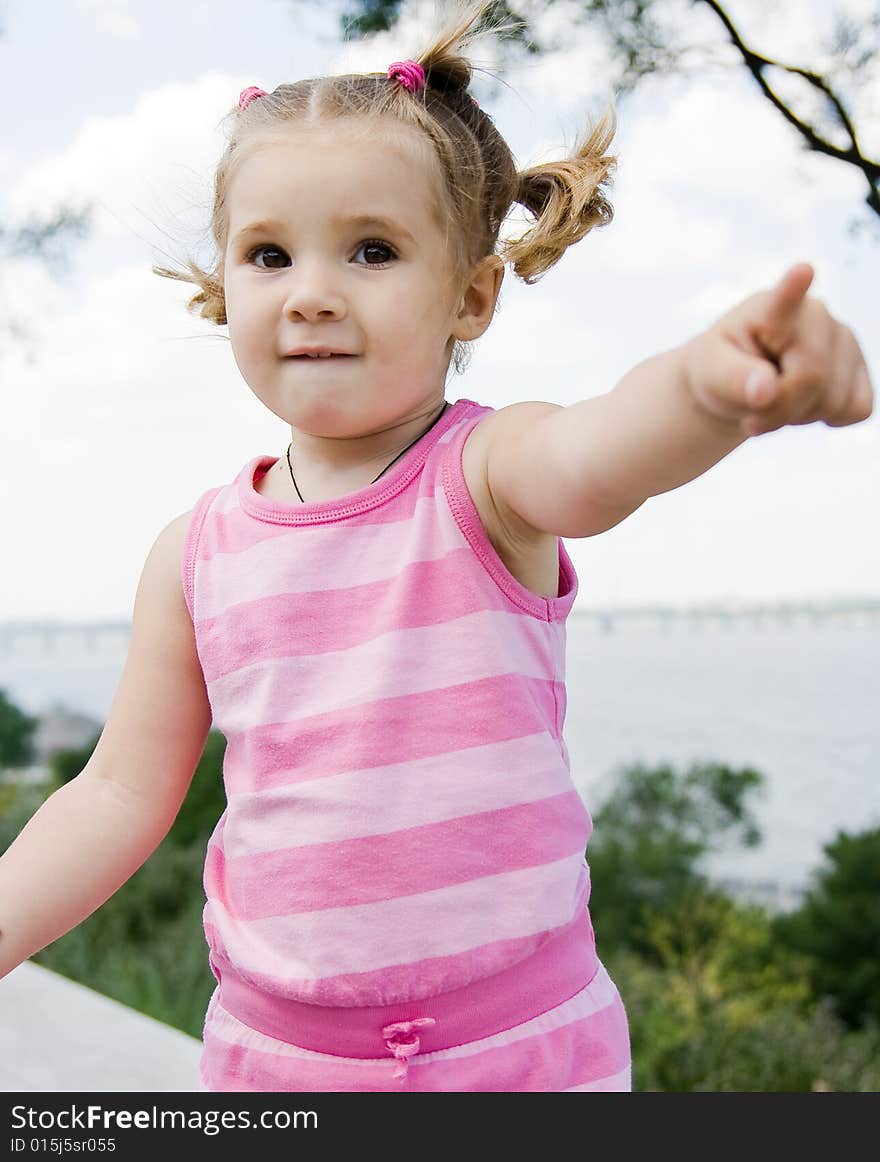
(403, 1041)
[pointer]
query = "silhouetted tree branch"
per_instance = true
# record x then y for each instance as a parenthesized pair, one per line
(642, 41)
(756, 64)
(40, 239)
(36, 238)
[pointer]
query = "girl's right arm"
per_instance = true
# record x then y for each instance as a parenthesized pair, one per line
(93, 834)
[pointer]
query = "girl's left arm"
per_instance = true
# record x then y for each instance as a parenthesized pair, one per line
(777, 358)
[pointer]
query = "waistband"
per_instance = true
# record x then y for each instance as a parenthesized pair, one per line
(558, 970)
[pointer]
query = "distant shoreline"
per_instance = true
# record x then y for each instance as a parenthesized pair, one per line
(721, 607)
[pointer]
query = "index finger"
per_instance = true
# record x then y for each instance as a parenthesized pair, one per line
(775, 322)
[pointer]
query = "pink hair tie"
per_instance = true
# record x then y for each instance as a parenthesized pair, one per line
(409, 73)
(250, 94)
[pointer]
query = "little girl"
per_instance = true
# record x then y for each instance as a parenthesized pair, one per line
(397, 893)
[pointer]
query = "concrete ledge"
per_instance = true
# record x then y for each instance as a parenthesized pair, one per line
(59, 1036)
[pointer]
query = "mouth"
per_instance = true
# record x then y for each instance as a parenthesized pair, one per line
(320, 358)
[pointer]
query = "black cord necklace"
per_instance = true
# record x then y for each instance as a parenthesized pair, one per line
(387, 466)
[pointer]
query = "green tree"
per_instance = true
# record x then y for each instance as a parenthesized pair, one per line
(16, 734)
(649, 838)
(720, 1006)
(838, 927)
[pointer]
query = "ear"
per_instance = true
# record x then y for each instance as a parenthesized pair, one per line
(477, 303)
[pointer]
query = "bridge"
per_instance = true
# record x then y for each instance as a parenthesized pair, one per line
(731, 615)
(47, 635)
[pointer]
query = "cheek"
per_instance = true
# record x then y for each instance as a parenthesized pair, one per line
(243, 323)
(248, 345)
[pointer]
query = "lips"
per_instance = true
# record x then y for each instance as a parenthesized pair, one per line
(318, 353)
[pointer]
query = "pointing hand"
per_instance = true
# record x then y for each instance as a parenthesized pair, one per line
(780, 358)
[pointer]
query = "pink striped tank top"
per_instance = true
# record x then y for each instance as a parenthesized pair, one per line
(400, 819)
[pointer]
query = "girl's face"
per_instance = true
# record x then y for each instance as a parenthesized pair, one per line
(301, 271)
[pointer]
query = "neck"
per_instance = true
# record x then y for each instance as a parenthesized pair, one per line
(325, 459)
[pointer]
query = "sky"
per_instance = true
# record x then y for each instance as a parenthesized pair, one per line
(121, 409)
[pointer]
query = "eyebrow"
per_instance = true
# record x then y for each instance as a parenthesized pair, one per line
(354, 220)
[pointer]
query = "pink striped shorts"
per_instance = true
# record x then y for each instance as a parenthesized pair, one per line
(535, 1027)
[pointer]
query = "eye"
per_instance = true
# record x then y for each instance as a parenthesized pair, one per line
(369, 245)
(259, 250)
(374, 244)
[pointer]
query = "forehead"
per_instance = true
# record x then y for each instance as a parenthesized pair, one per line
(335, 170)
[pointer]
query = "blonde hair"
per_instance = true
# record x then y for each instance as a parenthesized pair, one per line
(481, 180)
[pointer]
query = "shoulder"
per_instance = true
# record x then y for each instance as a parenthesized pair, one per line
(162, 584)
(170, 540)
(175, 531)
(508, 422)
(160, 713)
(495, 436)
(163, 563)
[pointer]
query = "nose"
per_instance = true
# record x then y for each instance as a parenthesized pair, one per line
(311, 293)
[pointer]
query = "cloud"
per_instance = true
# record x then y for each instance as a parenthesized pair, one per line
(169, 141)
(133, 407)
(126, 360)
(577, 67)
(114, 16)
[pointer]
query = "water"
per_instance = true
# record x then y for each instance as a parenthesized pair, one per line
(800, 702)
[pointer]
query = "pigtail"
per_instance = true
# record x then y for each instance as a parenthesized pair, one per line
(210, 301)
(445, 65)
(448, 71)
(567, 199)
